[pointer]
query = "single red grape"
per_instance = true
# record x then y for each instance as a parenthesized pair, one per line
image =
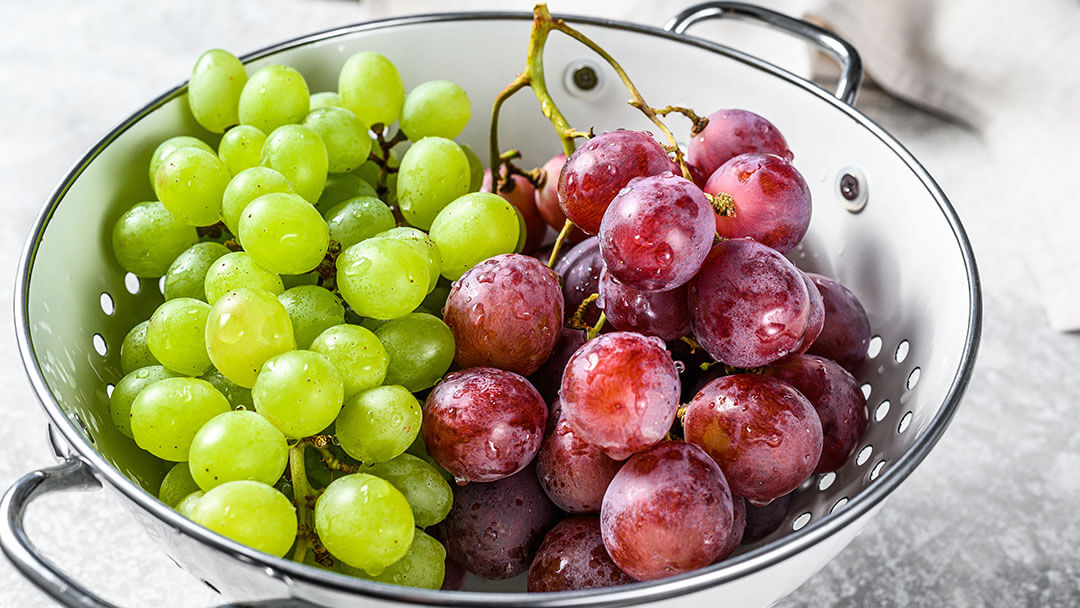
(580, 271)
(763, 520)
(731, 133)
(772, 200)
(846, 333)
(547, 199)
(738, 528)
(548, 378)
(520, 193)
(663, 314)
(573, 473)
(572, 557)
(815, 322)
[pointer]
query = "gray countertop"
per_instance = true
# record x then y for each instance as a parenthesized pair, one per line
(989, 519)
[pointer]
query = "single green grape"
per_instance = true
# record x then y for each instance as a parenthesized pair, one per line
(300, 392)
(422, 243)
(341, 187)
(424, 566)
(296, 280)
(419, 449)
(275, 95)
(169, 146)
(238, 396)
(147, 238)
(382, 278)
(420, 347)
(127, 389)
(245, 328)
(251, 513)
(241, 148)
(214, 90)
(134, 352)
(436, 108)
(365, 522)
(247, 186)
(177, 485)
(186, 507)
(166, 415)
(191, 183)
(237, 445)
(187, 275)
(378, 424)
(325, 99)
(434, 172)
(474, 228)
(312, 310)
(357, 219)
(425, 488)
(298, 153)
(371, 88)
(177, 335)
(356, 353)
(283, 233)
(235, 270)
(476, 169)
(435, 301)
(346, 137)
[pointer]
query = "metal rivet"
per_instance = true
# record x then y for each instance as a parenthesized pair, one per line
(585, 78)
(851, 185)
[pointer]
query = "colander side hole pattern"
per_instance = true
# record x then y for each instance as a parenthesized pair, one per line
(866, 389)
(864, 455)
(826, 481)
(839, 505)
(100, 346)
(873, 348)
(882, 410)
(902, 351)
(109, 389)
(161, 285)
(801, 521)
(904, 423)
(913, 378)
(107, 305)
(131, 283)
(876, 471)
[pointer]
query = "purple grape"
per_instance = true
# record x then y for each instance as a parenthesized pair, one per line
(547, 199)
(573, 473)
(668, 511)
(505, 312)
(454, 577)
(494, 529)
(731, 133)
(572, 557)
(657, 232)
(483, 424)
(663, 314)
(772, 200)
(580, 271)
(738, 528)
(816, 321)
(763, 520)
(836, 397)
(548, 378)
(763, 433)
(620, 392)
(846, 333)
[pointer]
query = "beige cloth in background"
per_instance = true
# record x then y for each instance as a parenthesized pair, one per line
(1012, 71)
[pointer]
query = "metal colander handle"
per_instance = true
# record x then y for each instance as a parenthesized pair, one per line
(851, 70)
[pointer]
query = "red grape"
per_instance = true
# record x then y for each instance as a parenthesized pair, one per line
(620, 392)
(662, 314)
(520, 193)
(749, 305)
(846, 333)
(580, 271)
(761, 431)
(668, 511)
(494, 529)
(731, 133)
(816, 320)
(836, 397)
(763, 520)
(738, 528)
(483, 424)
(547, 199)
(573, 473)
(505, 312)
(656, 232)
(572, 557)
(772, 200)
(548, 378)
(599, 169)
(454, 577)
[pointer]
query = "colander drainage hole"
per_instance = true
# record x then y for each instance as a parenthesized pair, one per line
(913, 378)
(109, 389)
(882, 410)
(904, 422)
(207, 583)
(100, 346)
(866, 389)
(873, 349)
(877, 470)
(107, 304)
(801, 521)
(839, 505)
(864, 455)
(161, 285)
(902, 351)
(826, 481)
(131, 283)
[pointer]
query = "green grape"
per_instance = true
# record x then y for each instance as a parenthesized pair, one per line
(127, 389)
(424, 566)
(365, 522)
(187, 274)
(169, 146)
(300, 392)
(177, 335)
(247, 186)
(422, 243)
(296, 280)
(419, 449)
(325, 99)
(166, 415)
(434, 172)
(312, 310)
(275, 95)
(190, 183)
(420, 347)
(284, 233)
(298, 153)
(346, 137)
(423, 485)
(476, 169)
(378, 424)
(177, 485)
(186, 507)
(235, 270)
(357, 219)
(342, 187)
(474, 228)
(522, 231)
(435, 301)
(371, 172)
(357, 355)
(382, 278)
(237, 445)
(251, 513)
(147, 238)
(214, 90)
(134, 352)
(238, 396)
(241, 148)
(371, 88)
(244, 329)
(436, 108)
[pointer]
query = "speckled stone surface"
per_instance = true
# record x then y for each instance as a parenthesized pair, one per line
(989, 519)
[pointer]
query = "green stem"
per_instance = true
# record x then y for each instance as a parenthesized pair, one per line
(565, 232)
(303, 495)
(595, 330)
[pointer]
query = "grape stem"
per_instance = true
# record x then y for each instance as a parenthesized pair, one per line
(383, 162)
(213, 231)
(595, 329)
(304, 497)
(577, 320)
(698, 123)
(565, 232)
(334, 464)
